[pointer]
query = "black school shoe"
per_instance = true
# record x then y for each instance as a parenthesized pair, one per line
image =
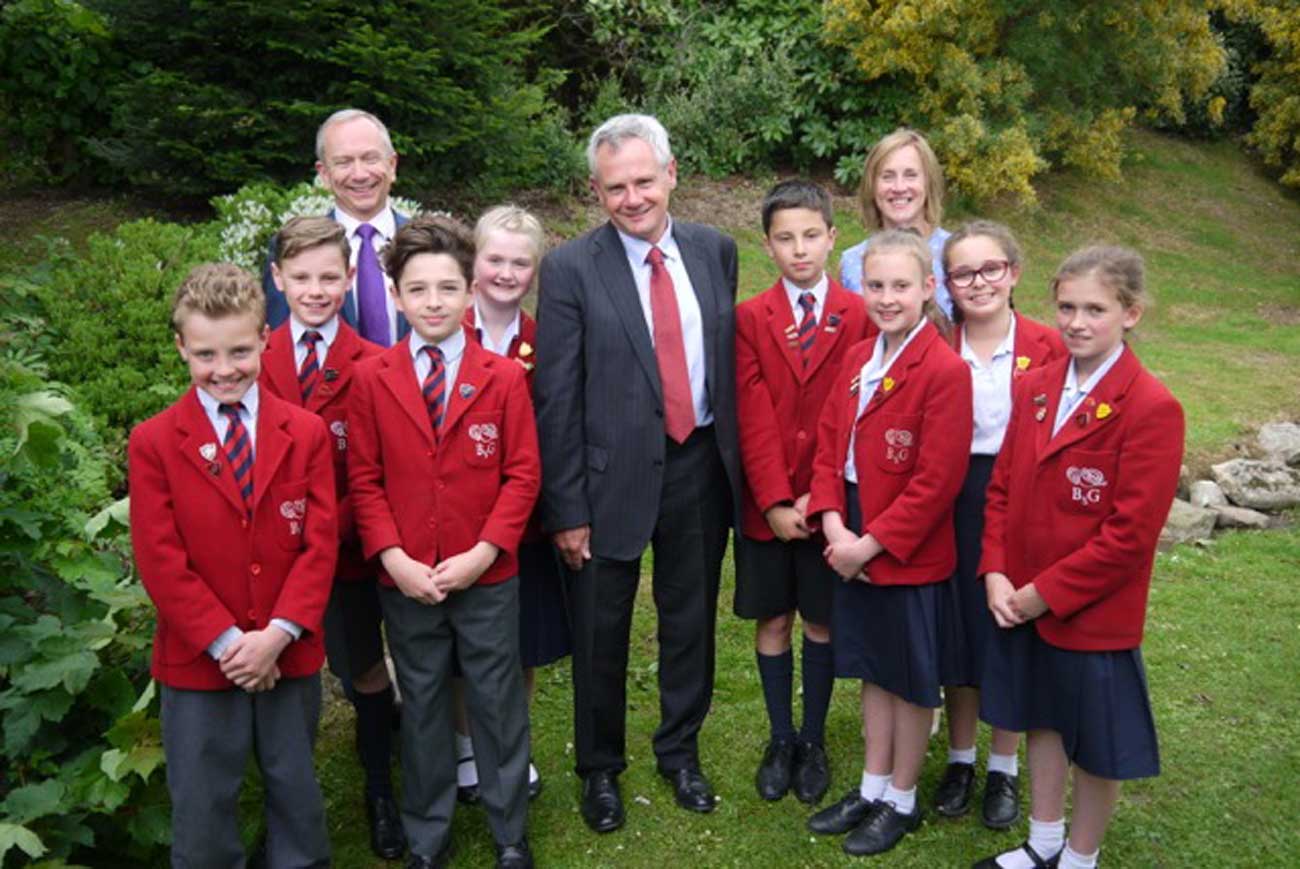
(776, 769)
(812, 772)
(952, 799)
(1001, 800)
(843, 816)
(516, 856)
(386, 837)
(882, 830)
(1039, 862)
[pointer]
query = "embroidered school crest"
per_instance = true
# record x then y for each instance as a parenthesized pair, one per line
(339, 429)
(1086, 484)
(898, 443)
(208, 451)
(484, 435)
(295, 511)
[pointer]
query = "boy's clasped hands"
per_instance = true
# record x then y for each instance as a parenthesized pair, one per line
(430, 584)
(250, 661)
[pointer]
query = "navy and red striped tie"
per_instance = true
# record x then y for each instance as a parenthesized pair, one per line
(807, 325)
(435, 388)
(309, 374)
(239, 452)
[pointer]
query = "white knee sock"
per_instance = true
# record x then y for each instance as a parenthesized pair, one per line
(873, 786)
(962, 755)
(1007, 764)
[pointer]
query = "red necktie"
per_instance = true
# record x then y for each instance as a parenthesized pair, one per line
(807, 325)
(670, 350)
(239, 452)
(309, 374)
(435, 388)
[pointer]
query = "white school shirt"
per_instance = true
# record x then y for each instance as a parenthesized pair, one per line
(329, 333)
(688, 309)
(1072, 393)
(991, 390)
(385, 225)
(502, 347)
(220, 423)
(452, 347)
(794, 291)
(869, 379)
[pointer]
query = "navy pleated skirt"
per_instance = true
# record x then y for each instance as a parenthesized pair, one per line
(965, 622)
(1097, 701)
(887, 635)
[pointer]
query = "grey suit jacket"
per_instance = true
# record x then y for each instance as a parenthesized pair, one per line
(597, 392)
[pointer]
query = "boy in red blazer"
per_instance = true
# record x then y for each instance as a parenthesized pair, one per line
(309, 362)
(234, 528)
(444, 472)
(789, 344)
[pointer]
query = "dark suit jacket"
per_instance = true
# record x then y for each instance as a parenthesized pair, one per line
(597, 391)
(277, 309)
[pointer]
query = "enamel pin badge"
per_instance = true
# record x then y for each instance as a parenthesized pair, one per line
(466, 390)
(208, 451)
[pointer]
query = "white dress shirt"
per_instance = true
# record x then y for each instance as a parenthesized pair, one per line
(329, 332)
(991, 389)
(870, 377)
(688, 308)
(502, 347)
(1072, 393)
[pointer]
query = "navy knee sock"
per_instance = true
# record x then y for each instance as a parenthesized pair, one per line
(375, 739)
(777, 674)
(818, 682)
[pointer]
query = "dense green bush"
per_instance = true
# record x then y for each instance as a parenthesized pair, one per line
(56, 61)
(110, 310)
(224, 93)
(80, 754)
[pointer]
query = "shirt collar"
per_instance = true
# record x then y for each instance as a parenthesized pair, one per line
(328, 332)
(874, 369)
(1072, 376)
(384, 222)
(452, 346)
(212, 406)
(511, 331)
(638, 248)
(1008, 344)
(794, 291)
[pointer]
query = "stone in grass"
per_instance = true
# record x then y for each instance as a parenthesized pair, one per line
(1187, 523)
(1206, 493)
(1240, 517)
(1257, 484)
(1184, 482)
(1280, 442)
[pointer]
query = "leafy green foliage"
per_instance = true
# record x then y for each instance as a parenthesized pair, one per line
(1275, 95)
(111, 313)
(79, 737)
(54, 59)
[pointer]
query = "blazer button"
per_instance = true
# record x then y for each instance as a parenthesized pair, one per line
(252, 616)
(255, 568)
(433, 523)
(243, 523)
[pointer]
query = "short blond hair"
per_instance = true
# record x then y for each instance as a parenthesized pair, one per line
(934, 186)
(1118, 269)
(218, 290)
(302, 234)
(511, 218)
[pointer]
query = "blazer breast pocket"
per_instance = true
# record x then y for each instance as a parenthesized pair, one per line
(1086, 483)
(482, 439)
(897, 442)
(290, 500)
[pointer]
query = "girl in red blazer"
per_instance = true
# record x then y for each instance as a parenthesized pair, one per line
(509, 244)
(1079, 494)
(1000, 346)
(892, 447)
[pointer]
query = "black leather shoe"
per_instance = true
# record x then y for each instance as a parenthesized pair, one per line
(775, 770)
(1038, 861)
(952, 798)
(882, 830)
(690, 788)
(837, 819)
(437, 861)
(812, 772)
(1001, 800)
(602, 807)
(386, 837)
(516, 856)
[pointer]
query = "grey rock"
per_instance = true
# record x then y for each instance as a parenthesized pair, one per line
(1240, 517)
(1280, 442)
(1186, 523)
(1184, 482)
(1260, 485)
(1206, 493)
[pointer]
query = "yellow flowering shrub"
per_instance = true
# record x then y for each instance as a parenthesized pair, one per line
(1275, 95)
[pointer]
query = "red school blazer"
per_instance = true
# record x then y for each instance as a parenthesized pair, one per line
(778, 398)
(204, 563)
(329, 401)
(478, 481)
(1035, 346)
(911, 450)
(1079, 514)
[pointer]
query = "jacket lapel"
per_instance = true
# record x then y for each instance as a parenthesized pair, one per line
(273, 442)
(200, 445)
(1097, 410)
(337, 372)
(782, 328)
(616, 277)
(897, 376)
(397, 374)
(471, 380)
(829, 328)
(280, 367)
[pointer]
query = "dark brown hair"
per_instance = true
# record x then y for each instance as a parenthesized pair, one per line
(434, 233)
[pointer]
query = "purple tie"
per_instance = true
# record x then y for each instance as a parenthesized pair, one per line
(372, 309)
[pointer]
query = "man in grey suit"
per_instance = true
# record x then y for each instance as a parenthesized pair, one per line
(635, 392)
